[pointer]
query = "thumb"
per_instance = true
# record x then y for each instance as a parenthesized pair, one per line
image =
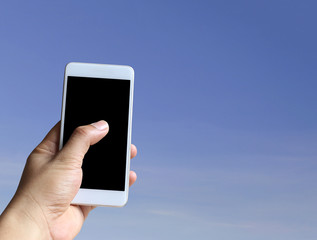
(80, 141)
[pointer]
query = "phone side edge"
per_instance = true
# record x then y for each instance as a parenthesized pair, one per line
(129, 142)
(63, 107)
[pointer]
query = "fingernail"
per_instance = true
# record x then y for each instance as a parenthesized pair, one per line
(100, 125)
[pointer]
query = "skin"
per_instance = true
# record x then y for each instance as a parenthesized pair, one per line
(41, 207)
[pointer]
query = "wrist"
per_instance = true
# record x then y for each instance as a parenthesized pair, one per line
(22, 219)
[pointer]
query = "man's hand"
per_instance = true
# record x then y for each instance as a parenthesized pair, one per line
(41, 207)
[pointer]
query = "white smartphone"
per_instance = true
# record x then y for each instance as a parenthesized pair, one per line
(94, 92)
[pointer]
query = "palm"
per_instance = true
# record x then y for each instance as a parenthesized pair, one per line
(68, 225)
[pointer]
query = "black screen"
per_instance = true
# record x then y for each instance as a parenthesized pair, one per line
(89, 100)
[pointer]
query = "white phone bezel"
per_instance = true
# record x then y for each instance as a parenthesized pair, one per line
(94, 197)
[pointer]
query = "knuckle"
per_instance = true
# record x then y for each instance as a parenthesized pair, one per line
(43, 150)
(81, 131)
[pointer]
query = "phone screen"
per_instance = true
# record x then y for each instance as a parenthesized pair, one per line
(89, 100)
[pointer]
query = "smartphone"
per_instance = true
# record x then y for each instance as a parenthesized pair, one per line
(94, 92)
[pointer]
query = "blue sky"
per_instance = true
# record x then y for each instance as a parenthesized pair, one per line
(224, 111)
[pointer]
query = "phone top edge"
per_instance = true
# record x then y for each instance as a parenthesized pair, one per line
(123, 72)
(100, 64)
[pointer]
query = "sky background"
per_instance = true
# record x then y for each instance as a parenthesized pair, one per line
(225, 116)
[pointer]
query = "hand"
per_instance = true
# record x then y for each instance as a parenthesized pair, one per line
(41, 207)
